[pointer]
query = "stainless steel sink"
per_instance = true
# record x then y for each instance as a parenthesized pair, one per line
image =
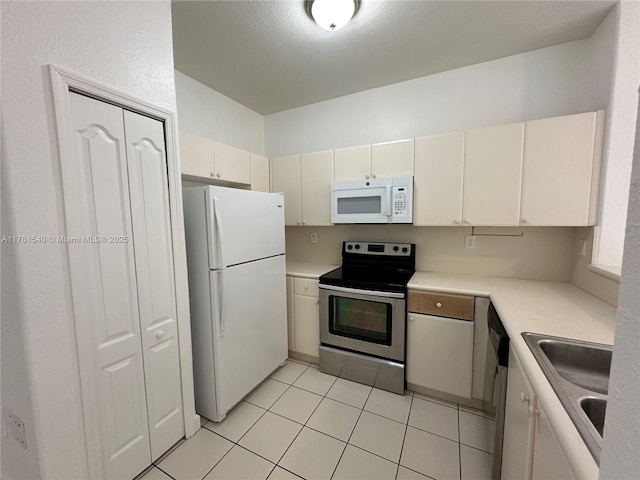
(579, 374)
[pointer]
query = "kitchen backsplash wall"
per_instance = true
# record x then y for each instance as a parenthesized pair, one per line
(541, 253)
(596, 284)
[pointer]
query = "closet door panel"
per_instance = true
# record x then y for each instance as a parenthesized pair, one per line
(97, 210)
(155, 277)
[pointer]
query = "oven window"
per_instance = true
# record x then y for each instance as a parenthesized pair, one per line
(357, 205)
(360, 319)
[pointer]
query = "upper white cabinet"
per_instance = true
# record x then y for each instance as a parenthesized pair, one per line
(196, 155)
(437, 193)
(305, 181)
(205, 158)
(492, 175)
(285, 178)
(316, 174)
(392, 159)
(561, 170)
(232, 164)
(259, 173)
(353, 163)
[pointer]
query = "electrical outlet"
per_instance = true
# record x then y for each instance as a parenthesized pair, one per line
(470, 242)
(314, 237)
(16, 428)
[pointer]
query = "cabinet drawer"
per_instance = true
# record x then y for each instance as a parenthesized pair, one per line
(441, 304)
(306, 286)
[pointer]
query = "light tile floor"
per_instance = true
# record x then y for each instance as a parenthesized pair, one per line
(301, 423)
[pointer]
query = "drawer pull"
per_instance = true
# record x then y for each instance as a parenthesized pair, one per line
(306, 287)
(439, 305)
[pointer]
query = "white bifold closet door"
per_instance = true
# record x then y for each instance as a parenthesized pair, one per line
(123, 286)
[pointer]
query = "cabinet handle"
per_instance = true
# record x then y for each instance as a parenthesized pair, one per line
(525, 221)
(412, 318)
(306, 287)
(373, 176)
(456, 222)
(466, 222)
(298, 222)
(213, 174)
(317, 302)
(218, 175)
(524, 398)
(367, 177)
(438, 305)
(304, 222)
(159, 333)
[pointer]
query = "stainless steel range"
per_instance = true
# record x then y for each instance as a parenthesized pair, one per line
(363, 314)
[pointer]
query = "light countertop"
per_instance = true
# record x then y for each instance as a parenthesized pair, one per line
(308, 270)
(552, 308)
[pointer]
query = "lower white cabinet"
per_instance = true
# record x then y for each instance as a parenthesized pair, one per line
(530, 448)
(303, 316)
(439, 353)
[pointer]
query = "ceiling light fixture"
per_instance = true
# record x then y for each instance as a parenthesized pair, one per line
(332, 14)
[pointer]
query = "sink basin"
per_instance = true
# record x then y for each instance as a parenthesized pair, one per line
(595, 408)
(585, 366)
(579, 374)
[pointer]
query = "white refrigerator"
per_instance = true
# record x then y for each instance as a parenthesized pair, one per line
(237, 290)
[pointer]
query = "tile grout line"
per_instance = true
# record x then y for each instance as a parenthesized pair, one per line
(170, 476)
(459, 447)
(406, 427)
(351, 434)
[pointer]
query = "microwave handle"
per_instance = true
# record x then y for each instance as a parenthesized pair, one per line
(389, 201)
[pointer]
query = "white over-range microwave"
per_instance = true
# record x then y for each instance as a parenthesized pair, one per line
(381, 200)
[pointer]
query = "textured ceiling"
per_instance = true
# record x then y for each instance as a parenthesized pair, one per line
(270, 56)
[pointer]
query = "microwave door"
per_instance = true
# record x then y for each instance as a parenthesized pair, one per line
(371, 205)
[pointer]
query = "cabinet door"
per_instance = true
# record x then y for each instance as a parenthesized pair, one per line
(104, 293)
(196, 155)
(439, 353)
(519, 424)
(285, 178)
(558, 170)
(307, 325)
(316, 174)
(492, 175)
(392, 159)
(149, 186)
(549, 461)
(290, 315)
(437, 179)
(353, 163)
(232, 164)
(259, 173)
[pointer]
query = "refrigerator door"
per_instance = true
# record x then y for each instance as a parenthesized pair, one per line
(243, 226)
(248, 304)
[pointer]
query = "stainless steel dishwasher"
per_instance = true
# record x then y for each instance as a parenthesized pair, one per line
(495, 382)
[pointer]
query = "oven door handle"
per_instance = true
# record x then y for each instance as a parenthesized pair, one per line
(362, 292)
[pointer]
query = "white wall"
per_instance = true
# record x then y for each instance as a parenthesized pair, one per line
(620, 133)
(540, 254)
(563, 79)
(127, 46)
(205, 112)
(620, 457)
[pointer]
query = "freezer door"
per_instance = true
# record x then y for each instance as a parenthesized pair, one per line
(243, 225)
(250, 332)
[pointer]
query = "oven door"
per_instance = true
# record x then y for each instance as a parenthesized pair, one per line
(363, 321)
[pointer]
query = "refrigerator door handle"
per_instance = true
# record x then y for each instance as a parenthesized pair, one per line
(216, 213)
(223, 322)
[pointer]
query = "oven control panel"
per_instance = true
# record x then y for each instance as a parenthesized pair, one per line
(389, 249)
